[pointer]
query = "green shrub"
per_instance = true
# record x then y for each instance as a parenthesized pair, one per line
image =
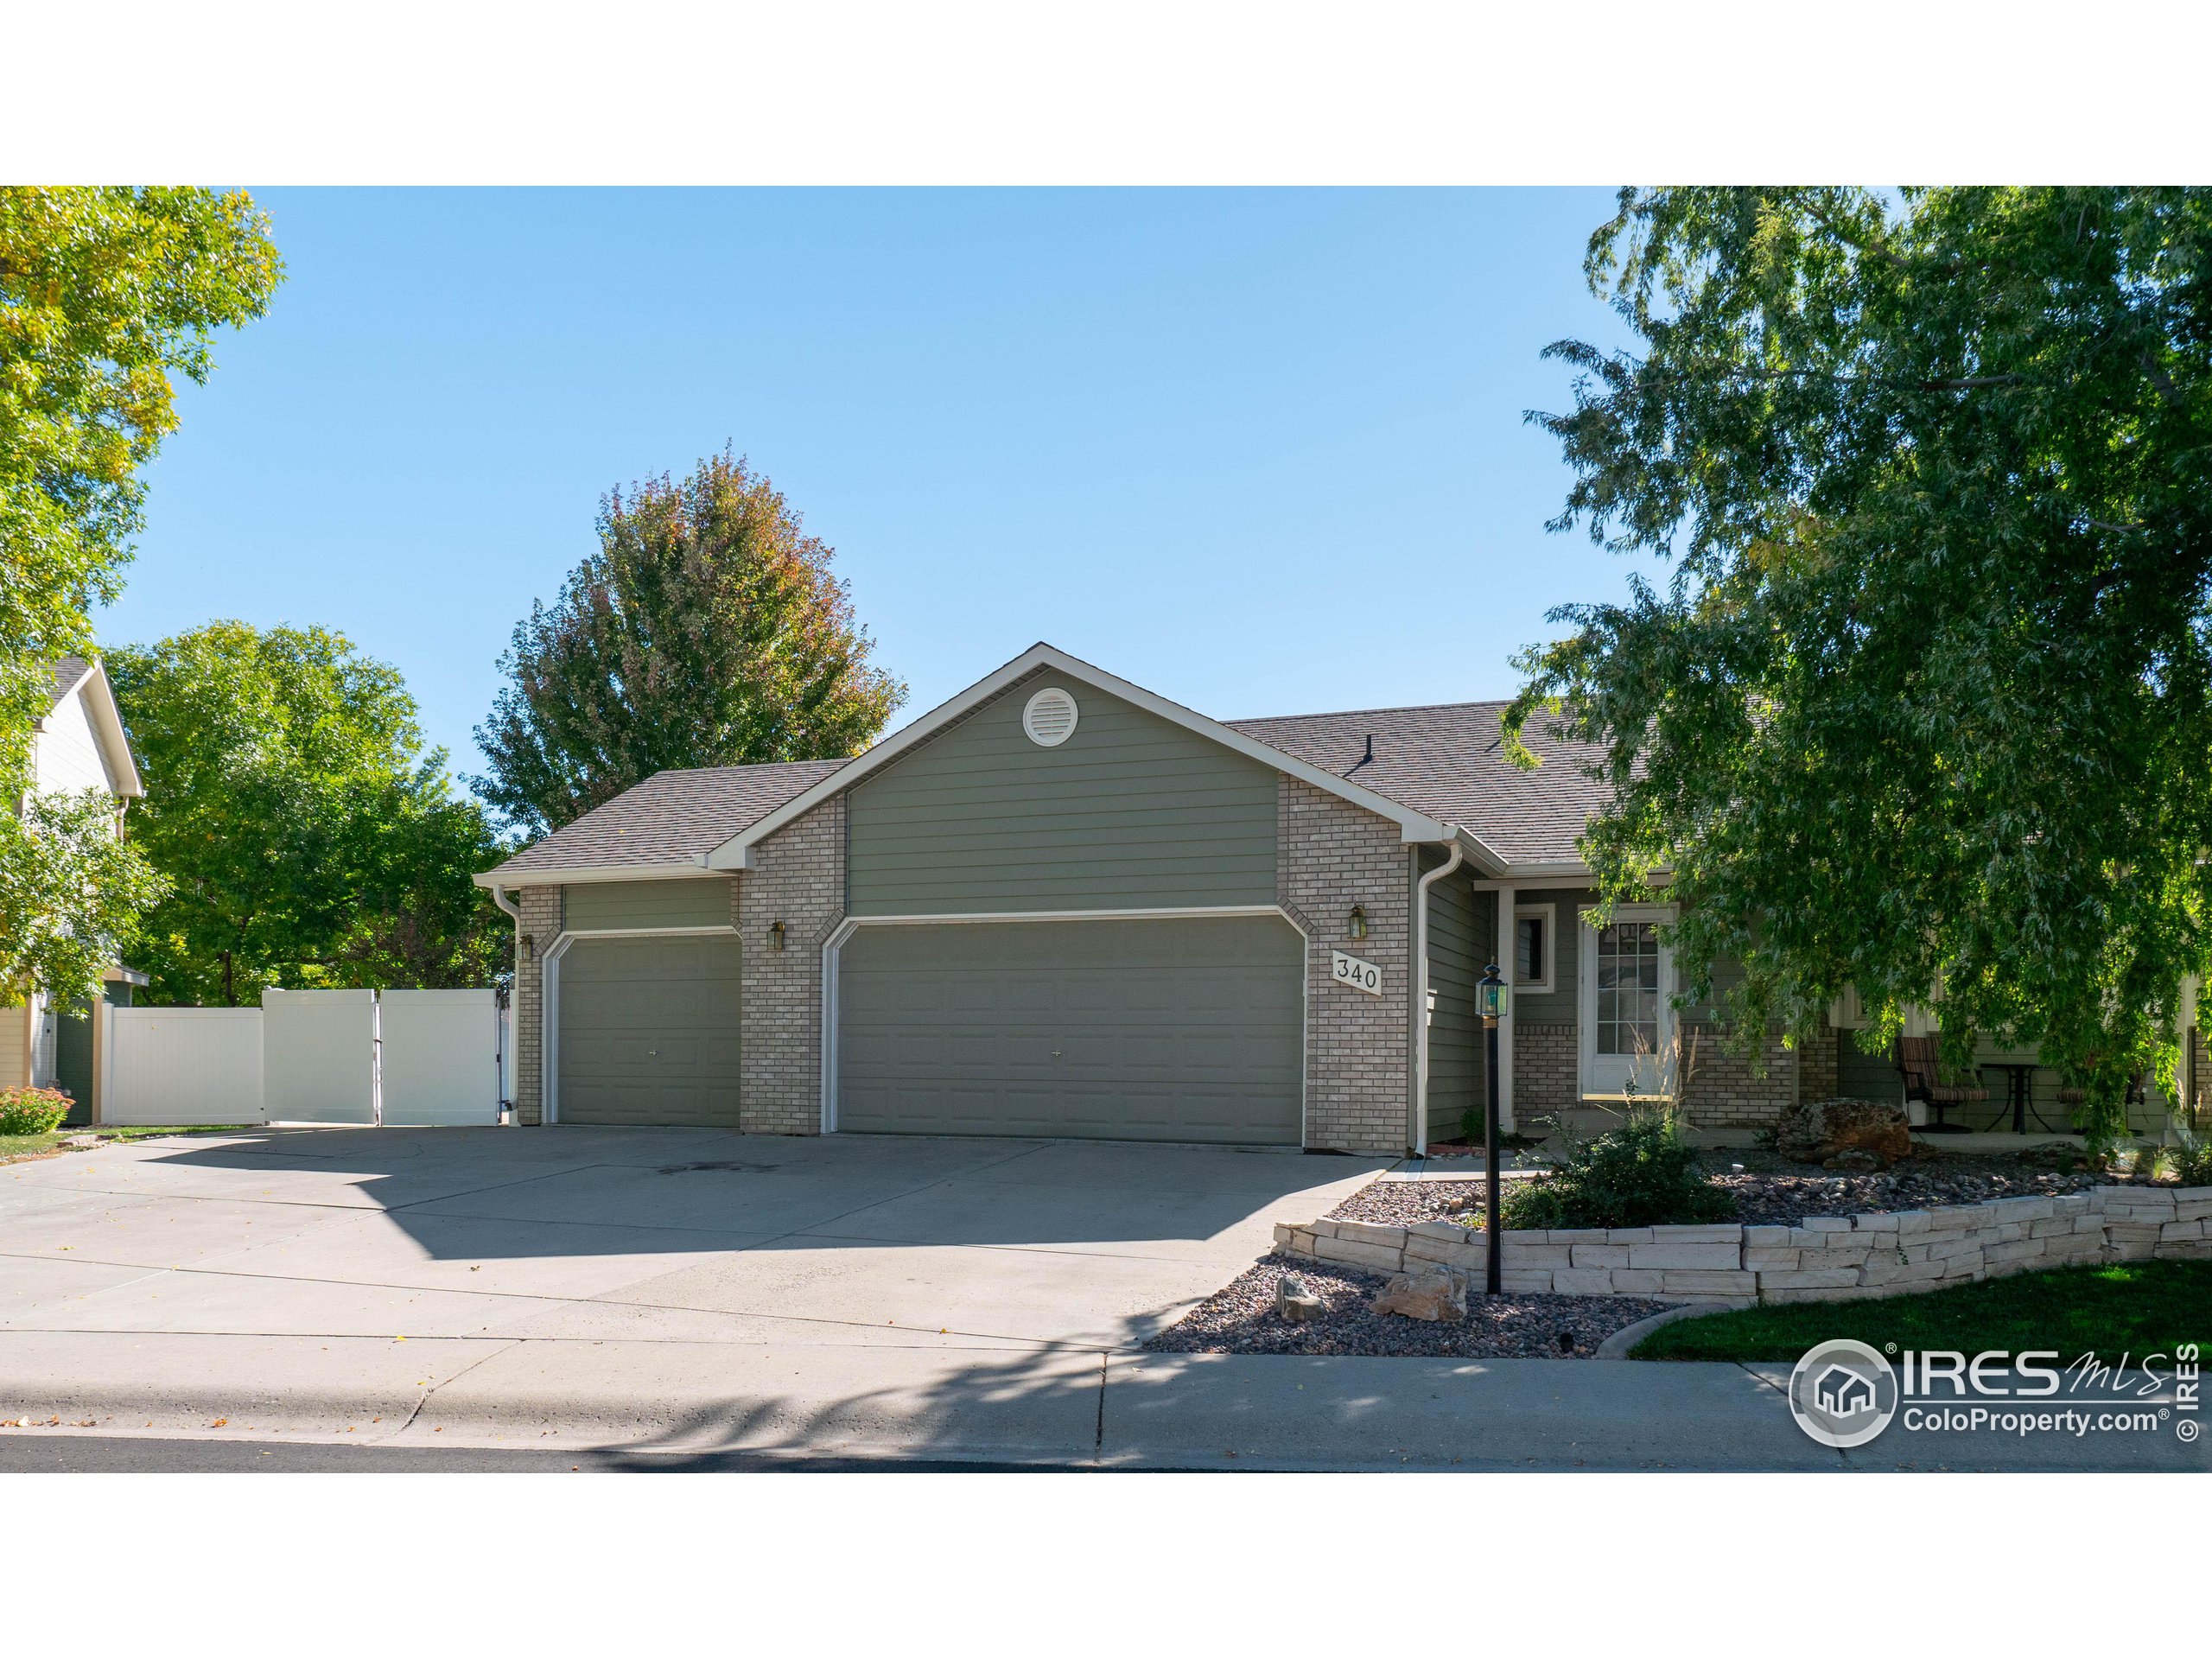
(32, 1111)
(1642, 1174)
(2190, 1160)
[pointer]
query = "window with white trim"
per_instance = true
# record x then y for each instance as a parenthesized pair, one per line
(1533, 929)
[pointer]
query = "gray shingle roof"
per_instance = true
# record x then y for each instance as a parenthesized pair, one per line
(1446, 760)
(67, 671)
(672, 817)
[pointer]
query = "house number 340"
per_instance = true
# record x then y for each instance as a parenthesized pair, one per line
(1360, 976)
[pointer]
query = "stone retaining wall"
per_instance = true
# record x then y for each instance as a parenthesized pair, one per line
(1827, 1258)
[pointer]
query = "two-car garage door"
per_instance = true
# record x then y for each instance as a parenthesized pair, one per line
(1188, 1028)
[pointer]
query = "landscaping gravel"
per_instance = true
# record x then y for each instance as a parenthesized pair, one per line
(1768, 1192)
(1241, 1318)
(1773, 1199)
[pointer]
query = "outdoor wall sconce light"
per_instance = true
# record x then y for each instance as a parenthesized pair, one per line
(529, 947)
(775, 936)
(1359, 921)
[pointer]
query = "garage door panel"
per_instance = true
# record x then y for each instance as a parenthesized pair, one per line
(1183, 1029)
(649, 1031)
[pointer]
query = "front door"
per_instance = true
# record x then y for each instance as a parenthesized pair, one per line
(1627, 1022)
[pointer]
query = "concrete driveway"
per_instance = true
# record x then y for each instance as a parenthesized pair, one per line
(587, 1231)
(341, 1278)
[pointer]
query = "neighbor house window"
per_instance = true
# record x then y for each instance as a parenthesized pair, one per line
(1532, 947)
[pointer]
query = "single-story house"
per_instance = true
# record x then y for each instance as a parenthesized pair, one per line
(1061, 905)
(77, 744)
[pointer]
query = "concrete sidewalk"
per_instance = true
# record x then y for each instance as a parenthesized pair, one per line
(950, 1401)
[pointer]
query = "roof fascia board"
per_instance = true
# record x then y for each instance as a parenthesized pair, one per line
(731, 855)
(1479, 852)
(107, 721)
(505, 877)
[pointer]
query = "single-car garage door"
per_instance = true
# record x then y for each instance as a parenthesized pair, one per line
(649, 1031)
(1183, 1029)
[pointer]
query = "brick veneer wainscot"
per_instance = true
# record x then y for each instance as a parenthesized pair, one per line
(1330, 856)
(798, 879)
(542, 921)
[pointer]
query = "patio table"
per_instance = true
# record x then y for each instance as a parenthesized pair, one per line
(2018, 1077)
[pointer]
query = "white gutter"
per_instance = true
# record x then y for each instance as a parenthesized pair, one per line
(1420, 990)
(499, 898)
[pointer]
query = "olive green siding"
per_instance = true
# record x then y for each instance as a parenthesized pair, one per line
(1861, 1076)
(1558, 1006)
(1462, 933)
(1726, 975)
(611, 906)
(1130, 812)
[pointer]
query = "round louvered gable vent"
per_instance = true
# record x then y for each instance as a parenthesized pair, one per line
(1049, 717)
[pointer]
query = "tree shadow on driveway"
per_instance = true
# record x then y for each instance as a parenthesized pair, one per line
(577, 1190)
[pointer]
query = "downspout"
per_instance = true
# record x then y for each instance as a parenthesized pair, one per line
(1420, 994)
(507, 1111)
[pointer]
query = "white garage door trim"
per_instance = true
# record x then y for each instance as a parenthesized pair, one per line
(852, 925)
(549, 1014)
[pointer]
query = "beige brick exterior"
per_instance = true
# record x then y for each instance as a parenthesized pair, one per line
(1546, 1071)
(541, 926)
(1727, 1091)
(798, 879)
(1330, 856)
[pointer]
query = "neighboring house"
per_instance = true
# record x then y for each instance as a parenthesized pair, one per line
(1060, 905)
(79, 744)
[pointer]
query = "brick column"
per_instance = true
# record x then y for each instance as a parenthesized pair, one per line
(541, 920)
(798, 879)
(1330, 856)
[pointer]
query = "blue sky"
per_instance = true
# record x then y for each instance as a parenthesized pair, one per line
(1260, 451)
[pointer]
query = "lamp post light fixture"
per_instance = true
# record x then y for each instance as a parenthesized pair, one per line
(776, 936)
(1358, 925)
(1489, 1002)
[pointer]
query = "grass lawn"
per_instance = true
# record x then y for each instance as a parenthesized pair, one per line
(2129, 1307)
(15, 1148)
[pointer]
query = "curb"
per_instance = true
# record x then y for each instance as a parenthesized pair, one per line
(1617, 1345)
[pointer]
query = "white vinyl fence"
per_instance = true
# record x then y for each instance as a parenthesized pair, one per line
(441, 1053)
(182, 1065)
(319, 1057)
(400, 1058)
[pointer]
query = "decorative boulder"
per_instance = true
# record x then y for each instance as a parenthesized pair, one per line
(1434, 1293)
(1816, 1131)
(1295, 1302)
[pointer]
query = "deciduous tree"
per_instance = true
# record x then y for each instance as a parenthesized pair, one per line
(104, 294)
(309, 838)
(1922, 707)
(707, 630)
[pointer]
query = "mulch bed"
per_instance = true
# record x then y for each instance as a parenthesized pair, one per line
(1770, 1192)
(1241, 1318)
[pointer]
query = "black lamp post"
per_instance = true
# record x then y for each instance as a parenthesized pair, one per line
(1490, 999)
